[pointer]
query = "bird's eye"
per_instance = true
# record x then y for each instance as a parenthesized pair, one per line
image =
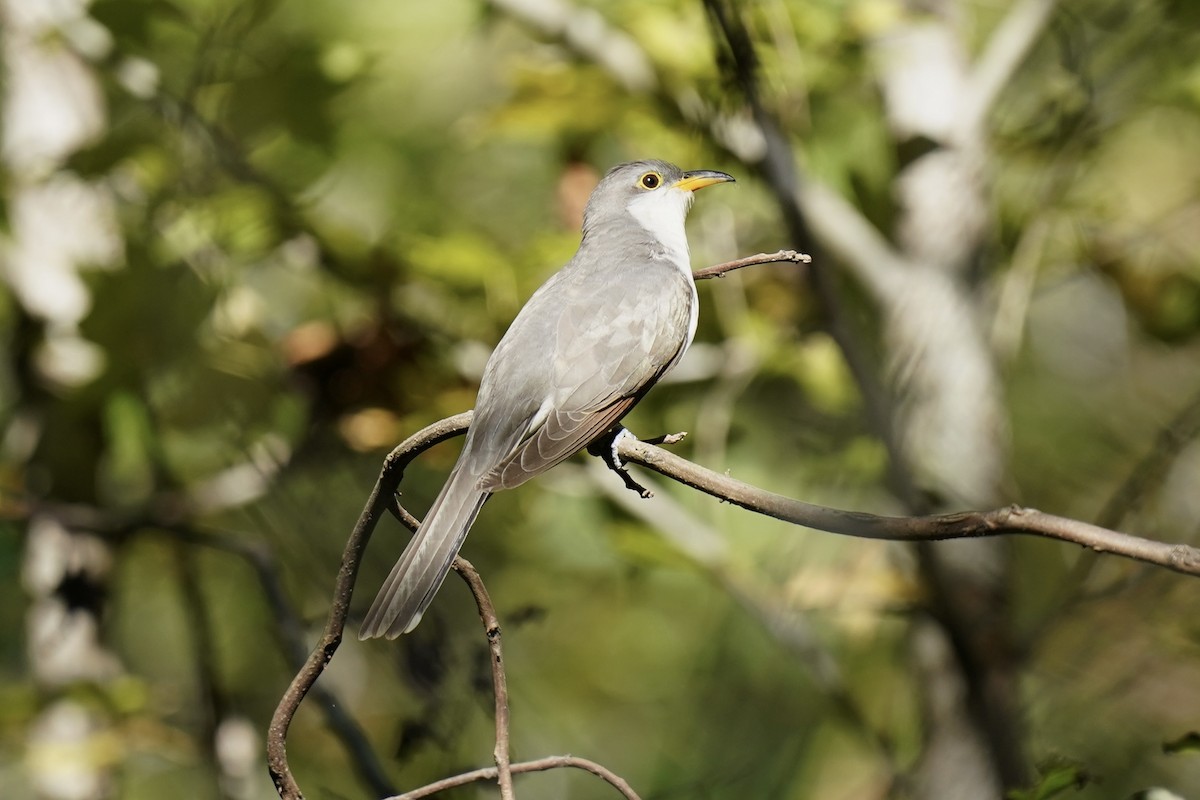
(651, 180)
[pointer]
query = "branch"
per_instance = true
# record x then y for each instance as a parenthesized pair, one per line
(538, 765)
(719, 270)
(931, 528)
(491, 627)
(377, 505)
(380, 502)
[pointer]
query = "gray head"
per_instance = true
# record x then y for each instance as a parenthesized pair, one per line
(646, 197)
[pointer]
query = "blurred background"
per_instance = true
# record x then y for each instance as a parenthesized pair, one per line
(247, 246)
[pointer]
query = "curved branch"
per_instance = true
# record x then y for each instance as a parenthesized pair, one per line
(936, 527)
(537, 765)
(377, 505)
(381, 501)
(1182, 558)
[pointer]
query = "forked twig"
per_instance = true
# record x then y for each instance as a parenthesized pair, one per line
(537, 765)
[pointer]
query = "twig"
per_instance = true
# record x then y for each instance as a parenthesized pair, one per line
(719, 270)
(491, 626)
(537, 765)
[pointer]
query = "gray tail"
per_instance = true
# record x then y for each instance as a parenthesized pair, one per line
(419, 573)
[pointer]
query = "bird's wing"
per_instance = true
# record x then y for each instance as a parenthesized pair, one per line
(598, 369)
(561, 435)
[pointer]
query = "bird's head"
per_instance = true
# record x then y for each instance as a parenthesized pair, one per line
(650, 196)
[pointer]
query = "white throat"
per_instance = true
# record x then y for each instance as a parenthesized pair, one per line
(662, 214)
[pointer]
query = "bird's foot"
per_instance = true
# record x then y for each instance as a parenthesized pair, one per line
(606, 448)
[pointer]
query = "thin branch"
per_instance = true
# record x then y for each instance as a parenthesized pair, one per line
(1181, 558)
(383, 500)
(936, 527)
(973, 524)
(491, 627)
(538, 765)
(377, 505)
(719, 270)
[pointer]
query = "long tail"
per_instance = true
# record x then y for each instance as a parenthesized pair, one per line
(419, 573)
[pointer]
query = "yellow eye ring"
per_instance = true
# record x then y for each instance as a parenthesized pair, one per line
(651, 180)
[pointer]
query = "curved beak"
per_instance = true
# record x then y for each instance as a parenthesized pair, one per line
(698, 179)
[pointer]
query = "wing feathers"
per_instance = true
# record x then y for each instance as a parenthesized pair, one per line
(562, 435)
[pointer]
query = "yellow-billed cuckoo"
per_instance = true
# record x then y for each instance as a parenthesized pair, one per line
(584, 349)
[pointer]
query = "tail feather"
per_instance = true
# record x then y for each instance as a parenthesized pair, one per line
(419, 573)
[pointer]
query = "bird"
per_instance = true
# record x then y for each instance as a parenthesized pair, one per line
(582, 351)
